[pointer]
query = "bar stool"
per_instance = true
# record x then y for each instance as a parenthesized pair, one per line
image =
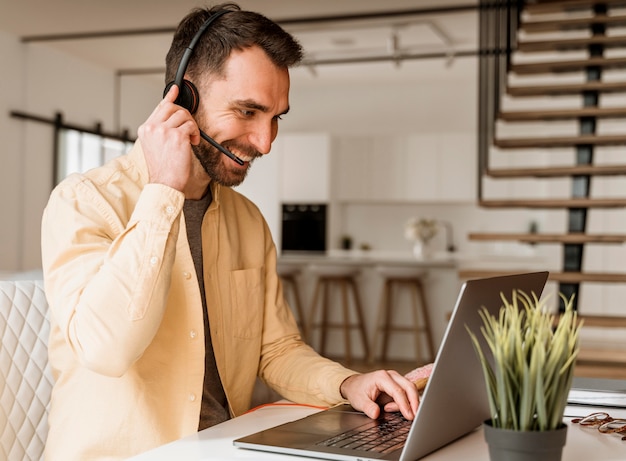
(288, 274)
(395, 279)
(341, 279)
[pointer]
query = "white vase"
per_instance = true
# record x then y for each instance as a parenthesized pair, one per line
(422, 250)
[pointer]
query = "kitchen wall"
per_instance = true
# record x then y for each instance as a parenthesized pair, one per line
(44, 81)
(439, 99)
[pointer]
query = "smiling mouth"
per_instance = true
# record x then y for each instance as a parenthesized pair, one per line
(245, 158)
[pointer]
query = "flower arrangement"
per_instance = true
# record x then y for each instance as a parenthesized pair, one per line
(533, 362)
(421, 229)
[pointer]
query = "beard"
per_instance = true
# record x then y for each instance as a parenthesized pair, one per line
(220, 171)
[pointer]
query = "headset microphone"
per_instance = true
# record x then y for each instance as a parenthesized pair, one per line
(188, 96)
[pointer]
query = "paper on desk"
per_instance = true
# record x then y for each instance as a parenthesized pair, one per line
(596, 398)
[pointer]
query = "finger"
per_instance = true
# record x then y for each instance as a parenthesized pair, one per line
(159, 114)
(412, 391)
(172, 94)
(371, 409)
(404, 395)
(178, 118)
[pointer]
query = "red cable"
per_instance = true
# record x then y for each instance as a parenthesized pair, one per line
(284, 405)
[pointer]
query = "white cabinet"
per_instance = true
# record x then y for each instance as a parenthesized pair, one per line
(422, 172)
(458, 167)
(420, 167)
(351, 172)
(304, 168)
(296, 171)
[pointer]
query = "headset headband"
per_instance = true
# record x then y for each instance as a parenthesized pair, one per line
(182, 67)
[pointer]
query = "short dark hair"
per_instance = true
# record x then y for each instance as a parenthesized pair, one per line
(235, 30)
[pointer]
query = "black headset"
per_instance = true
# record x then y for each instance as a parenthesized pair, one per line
(188, 96)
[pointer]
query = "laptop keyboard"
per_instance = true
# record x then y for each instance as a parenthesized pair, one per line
(382, 436)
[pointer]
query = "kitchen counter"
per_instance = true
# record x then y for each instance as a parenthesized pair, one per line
(369, 258)
(441, 286)
(440, 279)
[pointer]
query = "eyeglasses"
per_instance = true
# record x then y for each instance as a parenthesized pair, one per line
(604, 422)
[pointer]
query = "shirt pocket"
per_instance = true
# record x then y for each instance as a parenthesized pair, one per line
(247, 294)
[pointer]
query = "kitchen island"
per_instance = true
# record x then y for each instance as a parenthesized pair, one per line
(440, 280)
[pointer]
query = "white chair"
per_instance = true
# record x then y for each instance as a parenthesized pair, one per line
(25, 378)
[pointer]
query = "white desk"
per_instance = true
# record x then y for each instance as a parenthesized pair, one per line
(216, 443)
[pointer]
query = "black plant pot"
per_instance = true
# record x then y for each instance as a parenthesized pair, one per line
(509, 445)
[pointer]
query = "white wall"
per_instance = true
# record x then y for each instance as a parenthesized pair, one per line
(48, 81)
(11, 140)
(45, 81)
(42, 82)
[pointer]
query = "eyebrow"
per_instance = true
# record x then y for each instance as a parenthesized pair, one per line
(250, 104)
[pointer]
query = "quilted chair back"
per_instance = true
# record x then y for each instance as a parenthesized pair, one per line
(25, 378)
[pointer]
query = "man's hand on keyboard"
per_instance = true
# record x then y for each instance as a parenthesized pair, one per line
(387, 389)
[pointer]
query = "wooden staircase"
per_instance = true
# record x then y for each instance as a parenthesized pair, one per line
(549, 32)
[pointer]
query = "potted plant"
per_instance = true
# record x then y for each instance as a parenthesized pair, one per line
(528, 364)
(421, 231)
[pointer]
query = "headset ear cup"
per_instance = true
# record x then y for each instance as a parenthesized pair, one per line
(188, 96)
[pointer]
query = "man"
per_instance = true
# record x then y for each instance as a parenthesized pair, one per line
(162, 280)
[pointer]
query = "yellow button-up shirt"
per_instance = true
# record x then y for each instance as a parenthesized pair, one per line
(127, 332)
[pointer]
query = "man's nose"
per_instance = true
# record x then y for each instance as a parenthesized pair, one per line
(262, 137)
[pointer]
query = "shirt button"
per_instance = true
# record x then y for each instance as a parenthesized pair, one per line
(193, 334)
(169, 209)
(154, 260)
(192, 397)
(187, 275)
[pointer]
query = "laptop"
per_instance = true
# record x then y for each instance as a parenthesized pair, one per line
(454, 402)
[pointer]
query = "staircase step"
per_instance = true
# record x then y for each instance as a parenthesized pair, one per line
(566, 89)
(558, 171)
(560, 114)
(573, 65)
(603, 321)
(571, 238)
(561, 141)
(563, 277)
(608, 41)
(569, 23)
(554, 203)
(568, 5)
(615, 357)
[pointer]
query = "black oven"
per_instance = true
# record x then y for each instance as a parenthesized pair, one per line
(303, 227)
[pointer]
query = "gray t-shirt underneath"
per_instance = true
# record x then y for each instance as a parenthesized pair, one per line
(214, 408)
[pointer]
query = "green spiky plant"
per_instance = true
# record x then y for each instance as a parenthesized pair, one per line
(533, 362)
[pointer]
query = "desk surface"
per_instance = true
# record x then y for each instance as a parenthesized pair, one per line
(216, 443)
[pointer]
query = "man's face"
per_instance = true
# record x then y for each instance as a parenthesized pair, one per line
(241, 112)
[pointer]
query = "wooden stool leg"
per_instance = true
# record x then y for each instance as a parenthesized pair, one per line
(427, 326)
(346, 319)
(360, 317)
(387, 324)
(379, 325)
(290, 284)
(415, 291)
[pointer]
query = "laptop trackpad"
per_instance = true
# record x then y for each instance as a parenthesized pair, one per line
(330, 422)
(308, 431)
